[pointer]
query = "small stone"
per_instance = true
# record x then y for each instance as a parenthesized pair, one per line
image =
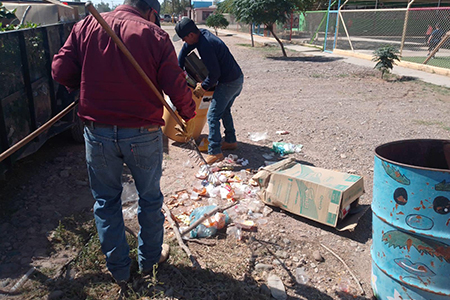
(282, 254)
(312, 265)
(276, 262)
(317, 256)
(276, 287)
(343, 156)
(263, 267)
(353, 244)
(267, 211)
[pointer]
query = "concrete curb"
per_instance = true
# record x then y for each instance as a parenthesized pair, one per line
(405, 64)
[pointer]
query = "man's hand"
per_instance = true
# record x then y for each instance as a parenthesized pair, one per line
(189, 128)
(198, 91)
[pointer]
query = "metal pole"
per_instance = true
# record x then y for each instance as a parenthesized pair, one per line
(346, 31)
(326, 27)
(405, 25)
(336, 34)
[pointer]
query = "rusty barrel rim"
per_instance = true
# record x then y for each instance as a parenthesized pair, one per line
(382, 152)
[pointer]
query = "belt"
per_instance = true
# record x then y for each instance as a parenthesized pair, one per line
(93, 124)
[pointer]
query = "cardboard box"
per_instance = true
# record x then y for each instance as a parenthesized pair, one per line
(314, 193)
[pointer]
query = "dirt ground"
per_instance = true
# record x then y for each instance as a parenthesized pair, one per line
(339, 112)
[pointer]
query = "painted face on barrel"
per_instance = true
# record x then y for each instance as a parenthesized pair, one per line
(441, 205)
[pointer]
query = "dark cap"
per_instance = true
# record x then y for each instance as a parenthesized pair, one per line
(157, 7)
(154, 4)
(183, 28)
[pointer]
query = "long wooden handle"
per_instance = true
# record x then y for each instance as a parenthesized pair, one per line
(133, 61)
(38, 131)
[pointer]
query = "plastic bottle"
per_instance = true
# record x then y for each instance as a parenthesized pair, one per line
(235, 233)
(301, 276)
(201, 231)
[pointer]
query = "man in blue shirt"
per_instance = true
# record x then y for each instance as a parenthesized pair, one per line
(224, 74)
(434, 39)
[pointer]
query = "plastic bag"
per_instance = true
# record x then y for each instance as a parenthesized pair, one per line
(210, 226)
(286, 148)
(257, 136)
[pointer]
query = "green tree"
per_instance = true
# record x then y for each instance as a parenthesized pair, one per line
(174, 6)
(225, 7)
(385, 58)
(217, 20)
(102, 7)
(268, 12)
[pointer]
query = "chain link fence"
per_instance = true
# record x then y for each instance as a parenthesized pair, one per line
(365, 30)
(428, 29)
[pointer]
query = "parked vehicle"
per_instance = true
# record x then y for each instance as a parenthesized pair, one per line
(169, 18)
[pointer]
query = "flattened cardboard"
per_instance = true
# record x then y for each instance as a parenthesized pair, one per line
(314, 193)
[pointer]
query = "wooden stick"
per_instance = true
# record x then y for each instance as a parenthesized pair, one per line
(132, 60)
(37, 132)
(206, 216)
(22, 280)
(350, 271)
(174, 225)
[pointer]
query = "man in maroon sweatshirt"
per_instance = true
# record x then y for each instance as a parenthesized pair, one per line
(122, 118)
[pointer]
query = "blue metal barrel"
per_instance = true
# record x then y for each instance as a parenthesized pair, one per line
(411, 220)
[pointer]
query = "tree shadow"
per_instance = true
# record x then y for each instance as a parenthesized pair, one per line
(314, 59)
(181, 282)
(253, 153)
(404, 79)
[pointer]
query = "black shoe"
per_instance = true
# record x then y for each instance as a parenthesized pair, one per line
(124, 289)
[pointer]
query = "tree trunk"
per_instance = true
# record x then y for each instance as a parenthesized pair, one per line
(278, 40)
(251, 34)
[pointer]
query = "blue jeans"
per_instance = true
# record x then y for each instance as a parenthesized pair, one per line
(107, 149)
(220, 109)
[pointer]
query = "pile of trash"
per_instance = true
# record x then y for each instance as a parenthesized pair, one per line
(216, 186)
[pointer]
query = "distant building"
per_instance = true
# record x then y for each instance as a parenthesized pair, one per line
(201, 11)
